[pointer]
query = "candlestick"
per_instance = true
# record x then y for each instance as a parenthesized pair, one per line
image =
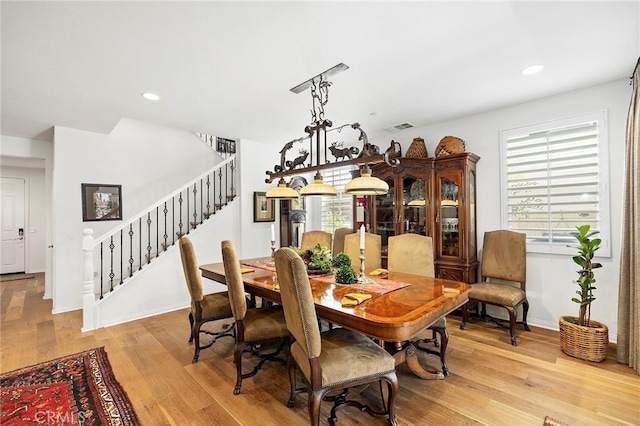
(273, 233)
(273, 250)
(361, 237)
(362, 278)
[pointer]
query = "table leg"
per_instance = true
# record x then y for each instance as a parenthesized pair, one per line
(409, 355)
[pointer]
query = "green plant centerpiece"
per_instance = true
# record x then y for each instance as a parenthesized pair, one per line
(581, 337)
(318, 259)
(344, 272)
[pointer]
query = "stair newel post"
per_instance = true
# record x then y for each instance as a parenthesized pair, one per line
(88, 292)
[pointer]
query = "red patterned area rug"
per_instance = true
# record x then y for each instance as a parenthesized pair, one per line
(77, 389)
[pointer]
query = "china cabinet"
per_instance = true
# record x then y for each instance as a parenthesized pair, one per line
(455, 234)
(434, 197)
(405, 207)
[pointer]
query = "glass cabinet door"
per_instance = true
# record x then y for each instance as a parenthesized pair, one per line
(384, 222)
(448, 227)
(413, 206)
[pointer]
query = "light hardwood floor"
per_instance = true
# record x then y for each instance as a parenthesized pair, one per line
(491, 382)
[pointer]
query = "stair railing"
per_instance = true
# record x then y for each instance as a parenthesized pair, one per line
(114, 258)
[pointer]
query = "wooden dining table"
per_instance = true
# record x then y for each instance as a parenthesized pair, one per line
(393, 318)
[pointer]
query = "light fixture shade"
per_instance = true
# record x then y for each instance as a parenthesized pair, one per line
(282, 191)
(366, 184)
(318, 188)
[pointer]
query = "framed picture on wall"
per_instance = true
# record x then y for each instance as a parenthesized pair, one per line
(264, 209)
(101, 202)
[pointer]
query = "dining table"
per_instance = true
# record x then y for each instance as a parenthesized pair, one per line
(401, 305)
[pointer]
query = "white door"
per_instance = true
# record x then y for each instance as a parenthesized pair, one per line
(13, 231)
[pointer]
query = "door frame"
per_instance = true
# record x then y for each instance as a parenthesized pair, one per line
(27, 242)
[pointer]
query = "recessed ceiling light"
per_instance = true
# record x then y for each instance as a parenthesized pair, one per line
(532, 69)
(150, 96)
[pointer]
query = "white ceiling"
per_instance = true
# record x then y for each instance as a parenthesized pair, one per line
(225, 68)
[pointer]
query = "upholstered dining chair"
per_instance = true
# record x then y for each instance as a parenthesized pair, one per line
(337, 359)
(413, 254)
(254, 326)
(372, 250)
(338, 239)
(503, 264)
(204, 307)
(311, 238)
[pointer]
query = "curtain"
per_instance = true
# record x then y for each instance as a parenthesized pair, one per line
(628, 344)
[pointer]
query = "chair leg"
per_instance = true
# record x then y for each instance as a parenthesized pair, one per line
(465, 315)
(191, 320)
(392, 381)
(195, 334)
(237, 360)
(291, 369)
(512, 325)
(525, 311)
(315, 398)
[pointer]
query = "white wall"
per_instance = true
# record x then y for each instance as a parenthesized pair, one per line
(256, 158)
(19, 154)
(149, 161)
(550, 278)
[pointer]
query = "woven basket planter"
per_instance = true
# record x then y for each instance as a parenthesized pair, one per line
(588, 343)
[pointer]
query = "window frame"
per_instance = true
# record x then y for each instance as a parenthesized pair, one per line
(604, 196)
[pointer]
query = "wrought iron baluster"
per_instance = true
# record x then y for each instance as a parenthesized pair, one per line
(140, 244)
(220, 183)
(101, 272)
(233, 191)
(214, 190)
(165, 211)
(201, 204)
(173, 220)
(195, 203)
(148, 237)
(208, 191)
(157, 231)
(111, 273)
(121, 255)
(226, 184)
(180, 209)
(186, 196)
(130, 250)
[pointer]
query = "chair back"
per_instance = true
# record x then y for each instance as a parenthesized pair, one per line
(411, 254)
(372, 250)
(311, 238)
(297, 301)
(504, 256)
(233, 277)
(338, 239)
(190, 268)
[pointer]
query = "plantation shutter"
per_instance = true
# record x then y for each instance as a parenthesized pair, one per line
(337, 212)
(553, 181)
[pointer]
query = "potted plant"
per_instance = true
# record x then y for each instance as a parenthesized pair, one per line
(580, 336)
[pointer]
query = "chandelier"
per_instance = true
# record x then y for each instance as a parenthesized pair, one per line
(322, 141)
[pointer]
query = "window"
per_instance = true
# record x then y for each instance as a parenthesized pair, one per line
(337, 212)
(555, 177)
